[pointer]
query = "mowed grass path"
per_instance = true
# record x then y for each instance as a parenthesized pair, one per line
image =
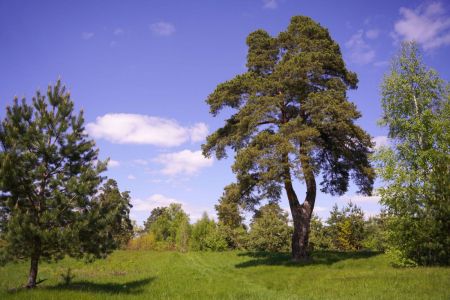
(228, 275)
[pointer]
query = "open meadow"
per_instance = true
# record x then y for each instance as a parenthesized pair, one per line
(228, 275)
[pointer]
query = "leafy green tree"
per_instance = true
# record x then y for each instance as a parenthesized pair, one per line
(416, 168)
(154, 215)
(168, 224)
(183, 232)
(49, 175)
(231, 223)
(206, 235)
(269, 229)
(112, 211)
(292, 120)
(375, 232)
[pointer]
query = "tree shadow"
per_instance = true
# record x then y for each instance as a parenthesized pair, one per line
(131, 287)
(284, 259)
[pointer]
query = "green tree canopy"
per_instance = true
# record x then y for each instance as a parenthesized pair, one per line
(292, 120)
(206, 235)
(169, 225)
(416, 168)
(49, 174)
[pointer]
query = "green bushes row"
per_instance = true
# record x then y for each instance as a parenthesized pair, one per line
(168, 228)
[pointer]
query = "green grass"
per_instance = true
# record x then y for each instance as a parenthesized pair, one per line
(228, 275)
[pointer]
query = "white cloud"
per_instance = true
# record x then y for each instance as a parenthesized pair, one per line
(428, 25)
(131, 177)
(87, 35)
(155, 200)
(380, 141)
(361, 199)
(113, 163)
(381, 63)
(360, 52)
(271, 4)
(320, 209)
(195, 212)
(118, 31)
(185, 162)
(162, 28)
(372, 34)
(143, 129)
(141, 162)
(199, 132)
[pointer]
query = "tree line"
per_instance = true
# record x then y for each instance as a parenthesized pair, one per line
(269, 230)
(292, 121)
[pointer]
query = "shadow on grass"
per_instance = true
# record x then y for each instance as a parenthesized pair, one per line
(131, 287)
(284, 259)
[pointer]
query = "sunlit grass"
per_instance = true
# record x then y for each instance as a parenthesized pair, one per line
(228, 275)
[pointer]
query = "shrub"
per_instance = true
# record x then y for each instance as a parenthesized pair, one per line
(270, 230)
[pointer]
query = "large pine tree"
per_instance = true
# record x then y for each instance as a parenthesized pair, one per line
(292, 120)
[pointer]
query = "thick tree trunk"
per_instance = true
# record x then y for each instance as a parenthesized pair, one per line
(301, 213)
(35, 255)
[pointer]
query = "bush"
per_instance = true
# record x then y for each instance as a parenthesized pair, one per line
(236, 238)
(146, 241)
(319, 237)
(270, 230)
(206, 236)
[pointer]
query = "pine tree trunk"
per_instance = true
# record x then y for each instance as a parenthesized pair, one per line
(34, 264)
(301, 213)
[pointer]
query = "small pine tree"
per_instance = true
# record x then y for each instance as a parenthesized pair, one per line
(346, 227)
(49, 175)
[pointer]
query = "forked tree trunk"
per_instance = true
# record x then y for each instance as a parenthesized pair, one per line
(301, 213)
(35, 255)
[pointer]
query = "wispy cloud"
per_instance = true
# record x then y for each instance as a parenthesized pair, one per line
(158, 200)
(428, 25)
(361, 199)
(381, 63)
(118, 31)
(199, 132)
(185, 162)
(141, 162)
(162, 28)
(270, 4)
(320, 209)
(372, 33)
(380, 141)
(87, 35)
(143, 129)
(360, 51)
(155, 200)
(113, 163)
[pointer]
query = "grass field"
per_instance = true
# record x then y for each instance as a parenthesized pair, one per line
(228, 275)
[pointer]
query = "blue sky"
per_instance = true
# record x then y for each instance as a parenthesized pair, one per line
(141, 71)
